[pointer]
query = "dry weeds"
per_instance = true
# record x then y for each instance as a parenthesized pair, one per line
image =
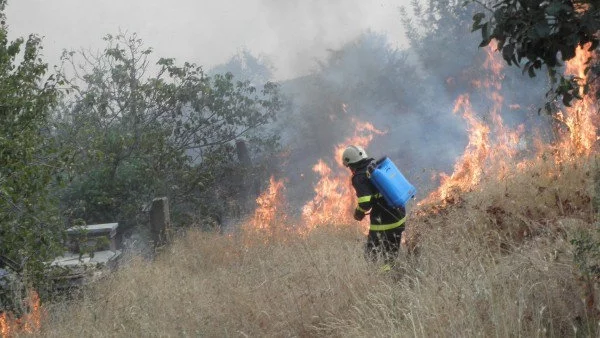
(496, 263)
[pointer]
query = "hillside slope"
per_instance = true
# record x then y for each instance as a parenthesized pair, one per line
(494, 261)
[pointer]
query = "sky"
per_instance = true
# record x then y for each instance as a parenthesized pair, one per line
(291, 34)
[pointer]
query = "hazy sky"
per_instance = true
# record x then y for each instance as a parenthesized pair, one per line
(291, 33)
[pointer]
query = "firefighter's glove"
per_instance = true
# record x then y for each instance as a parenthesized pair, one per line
(358, 215)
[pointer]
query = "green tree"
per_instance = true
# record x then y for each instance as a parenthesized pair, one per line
(437, 31)
(30, 231)
(244, 65)
(535, 33)
(144, 130)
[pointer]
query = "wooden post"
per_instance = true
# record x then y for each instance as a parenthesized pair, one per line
(243, 178)
(160, 221)
(242, 153)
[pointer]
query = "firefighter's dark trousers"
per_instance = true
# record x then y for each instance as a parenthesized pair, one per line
(383, 245)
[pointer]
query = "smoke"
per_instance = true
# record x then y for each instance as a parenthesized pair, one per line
(396, 90)
(293, 34)
(336, 60)
(304, 31)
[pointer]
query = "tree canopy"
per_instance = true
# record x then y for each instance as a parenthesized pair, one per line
(30, 229)
(142, 130)
(536, 33)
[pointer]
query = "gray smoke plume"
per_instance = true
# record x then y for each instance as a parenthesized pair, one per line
(399, 92)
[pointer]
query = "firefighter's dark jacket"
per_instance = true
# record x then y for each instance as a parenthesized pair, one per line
(383, 216)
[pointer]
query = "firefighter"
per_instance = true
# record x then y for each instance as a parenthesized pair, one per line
(387, 223)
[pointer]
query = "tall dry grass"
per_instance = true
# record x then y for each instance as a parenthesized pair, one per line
(496, 263)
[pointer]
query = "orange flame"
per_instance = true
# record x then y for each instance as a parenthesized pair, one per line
(490, 146)
(332, 202)
(581, 134)
(268, 212)
(334, 198)
(30, 322)
(468, 169)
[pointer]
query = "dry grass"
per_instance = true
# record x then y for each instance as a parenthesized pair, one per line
(212, 285)
(497, 263)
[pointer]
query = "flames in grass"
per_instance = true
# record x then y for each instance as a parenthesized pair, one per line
(29, 322)
(492, 148)
(269, 212)
(469, 169)
(580, 134)
(334, 197)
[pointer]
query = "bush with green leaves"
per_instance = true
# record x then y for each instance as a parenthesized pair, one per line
(538, 33)
(143, 130)
(30, 160)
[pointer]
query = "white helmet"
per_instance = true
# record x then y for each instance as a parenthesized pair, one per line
(353, 154)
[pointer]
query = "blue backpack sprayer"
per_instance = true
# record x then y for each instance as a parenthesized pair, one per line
(390, 182)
